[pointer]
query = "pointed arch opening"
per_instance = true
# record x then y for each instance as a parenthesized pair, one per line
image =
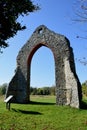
(41, 69)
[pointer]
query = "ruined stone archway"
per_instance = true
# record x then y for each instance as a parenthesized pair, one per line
(68, 88)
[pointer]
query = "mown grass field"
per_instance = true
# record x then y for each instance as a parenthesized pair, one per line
(42, 114)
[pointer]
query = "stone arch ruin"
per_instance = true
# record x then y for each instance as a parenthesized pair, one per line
(68, 87)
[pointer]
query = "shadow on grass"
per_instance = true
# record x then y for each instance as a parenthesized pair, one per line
(35, 103)
(84, 105)
(40, 103)
(26, 112)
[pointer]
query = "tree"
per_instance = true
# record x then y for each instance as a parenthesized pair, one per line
(10, 10)
(80, 16)
(84, 88)
(52, 90)
(80, 8)
(43, 91)
(46, 90)
(3, 89)
(33, 91)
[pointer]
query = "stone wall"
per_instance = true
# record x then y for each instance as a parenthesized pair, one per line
(68, 87)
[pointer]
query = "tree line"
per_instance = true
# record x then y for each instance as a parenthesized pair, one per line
(33, 91)
(43, 90)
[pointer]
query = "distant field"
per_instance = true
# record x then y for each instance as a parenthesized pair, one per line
(42, 114)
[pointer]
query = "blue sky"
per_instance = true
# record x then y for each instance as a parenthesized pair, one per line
(58, 16)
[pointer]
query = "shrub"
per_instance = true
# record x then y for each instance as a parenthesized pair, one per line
(84, 88)
(3, 89)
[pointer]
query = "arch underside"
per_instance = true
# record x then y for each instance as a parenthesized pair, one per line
(68, 87)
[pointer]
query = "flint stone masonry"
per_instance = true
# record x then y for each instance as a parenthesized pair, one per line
(68, 87)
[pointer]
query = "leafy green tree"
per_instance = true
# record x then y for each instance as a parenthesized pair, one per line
(39, 91)
(10, 10)
(46, 90)
(84, 88)
(52, 90)
(43, 91)
(3, 89)
(33, 91)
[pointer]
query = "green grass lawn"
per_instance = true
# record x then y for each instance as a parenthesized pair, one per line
(42, 114)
